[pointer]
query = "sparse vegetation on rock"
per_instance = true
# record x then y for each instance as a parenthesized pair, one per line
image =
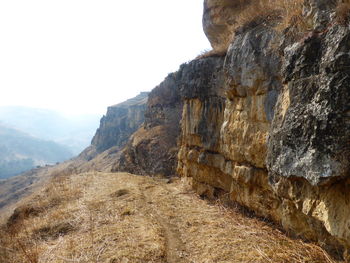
(261, 122)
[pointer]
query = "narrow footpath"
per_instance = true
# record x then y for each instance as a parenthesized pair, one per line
(124, 218)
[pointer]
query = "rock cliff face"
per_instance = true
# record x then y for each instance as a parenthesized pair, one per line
(230, 150)
(268, 125)
(153, 148)
(309, 143)
(119, 123)
(219, 21)
(274, 132)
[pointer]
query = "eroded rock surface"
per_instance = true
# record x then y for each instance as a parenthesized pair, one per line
(268, 125)
(309, 143)
(153, 149)
(228, 151)
(120, 122)
(275, 133)
(219, 21)
(311, 138)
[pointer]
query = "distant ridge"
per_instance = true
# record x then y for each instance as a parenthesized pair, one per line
(74, 132)
(20, 152)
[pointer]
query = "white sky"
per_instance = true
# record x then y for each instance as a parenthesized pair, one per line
(80, 56)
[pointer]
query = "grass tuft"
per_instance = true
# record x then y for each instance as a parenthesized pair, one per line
(280, 14)
(343, 12)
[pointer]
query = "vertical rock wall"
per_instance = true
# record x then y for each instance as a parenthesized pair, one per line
(309, 144)
(268, 125)
(120, 122)
(152, 149)
(274, 132)
(227, 151)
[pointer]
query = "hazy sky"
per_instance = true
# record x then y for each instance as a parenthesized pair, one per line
(81, 56)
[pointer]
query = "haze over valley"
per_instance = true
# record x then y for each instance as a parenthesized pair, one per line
(32, 137)
(73, 131)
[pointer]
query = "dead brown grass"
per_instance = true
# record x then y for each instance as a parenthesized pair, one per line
(284, 13)
(99, 217)
(343, 12)
(43, 218)
(280, 14)
(212, 53)
(78, 221)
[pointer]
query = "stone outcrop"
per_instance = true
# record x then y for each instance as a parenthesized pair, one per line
(228, 151)
(310, 135)
(318, 13)
(153, 148)
(268, 125)
(274, 132)
(219, 21)
(119, 123)
(309, 143)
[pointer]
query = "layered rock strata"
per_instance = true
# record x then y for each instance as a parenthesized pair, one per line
(153, 148)
(119, 123)
(267, 125)
(228, 151)
(275, 134)
(309, 144)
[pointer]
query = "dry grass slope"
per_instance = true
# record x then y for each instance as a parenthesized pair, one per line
(104, 217)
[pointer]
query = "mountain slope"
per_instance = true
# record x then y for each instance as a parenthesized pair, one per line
(20, 152)
(266, 125)
(266, 121)
(104, 217)
(73, 131)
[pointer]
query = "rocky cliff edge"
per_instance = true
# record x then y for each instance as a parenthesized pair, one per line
(266, 124)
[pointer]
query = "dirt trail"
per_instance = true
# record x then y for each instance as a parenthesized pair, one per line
(174, 247)
(123, 218)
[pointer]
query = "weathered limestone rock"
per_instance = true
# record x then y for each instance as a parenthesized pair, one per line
(152, 148)
(268, 125)
(204, 104)
(276, 136)
(252, 89)
(318, 13)
(227, 150)
(311, 139)
(309, 143)
(116, 127)
(120, 122)
(219, 21)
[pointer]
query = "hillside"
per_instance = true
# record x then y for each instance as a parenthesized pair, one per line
(259, 124)
(74, 132)
(103, 217)
(263, 117)
(20, 152)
